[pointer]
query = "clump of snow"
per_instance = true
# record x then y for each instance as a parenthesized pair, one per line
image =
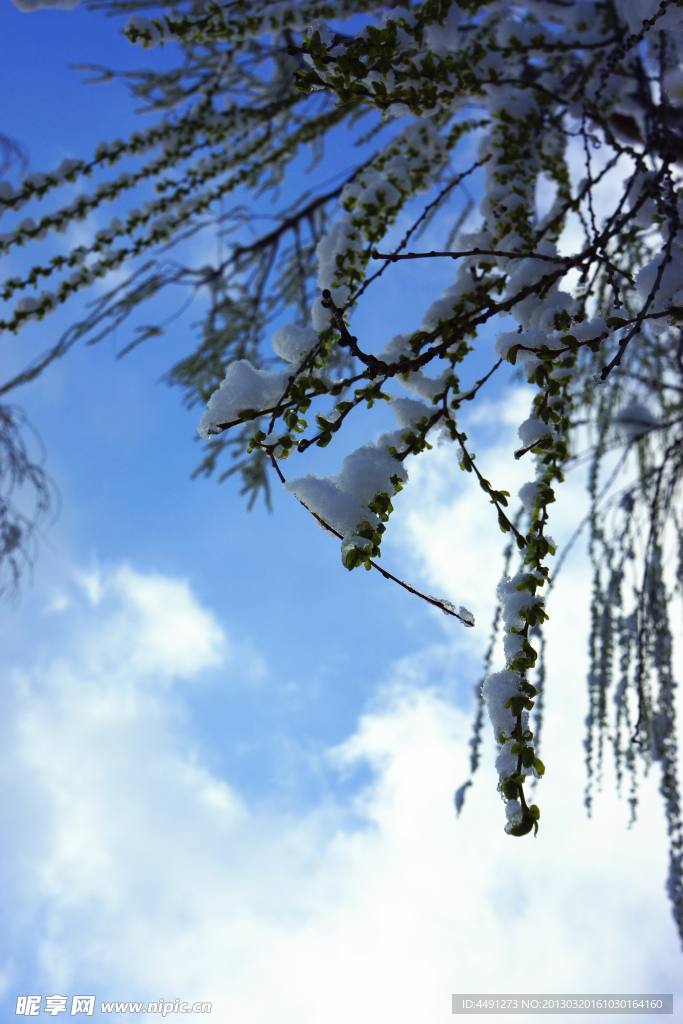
(512, 643)
(497, 688)
(506, 761)
(293, 342)
(506, 340)
(513, 812)
(243, 387)
(324, 497)
(446, 36)
(397, 347)
(424, 386)
(343, 500)
(527, 494)
(593, 328)
(532, 430)
(530, 339)
(368, 471)
(395, 110)
(342, 236)
(321, 317)
(528, 271)
(466, 615)
(379, 191)
(409, 412)
(514, 601)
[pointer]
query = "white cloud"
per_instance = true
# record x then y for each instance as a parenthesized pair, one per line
(141, 873)
(153, 626)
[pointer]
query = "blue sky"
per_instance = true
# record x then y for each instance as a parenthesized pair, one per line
(228, 764)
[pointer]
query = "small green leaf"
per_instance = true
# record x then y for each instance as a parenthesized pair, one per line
(528, 757)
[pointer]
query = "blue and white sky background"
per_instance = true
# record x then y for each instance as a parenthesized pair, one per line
(227, 765)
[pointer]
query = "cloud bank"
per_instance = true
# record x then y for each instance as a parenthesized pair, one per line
(137, 872)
